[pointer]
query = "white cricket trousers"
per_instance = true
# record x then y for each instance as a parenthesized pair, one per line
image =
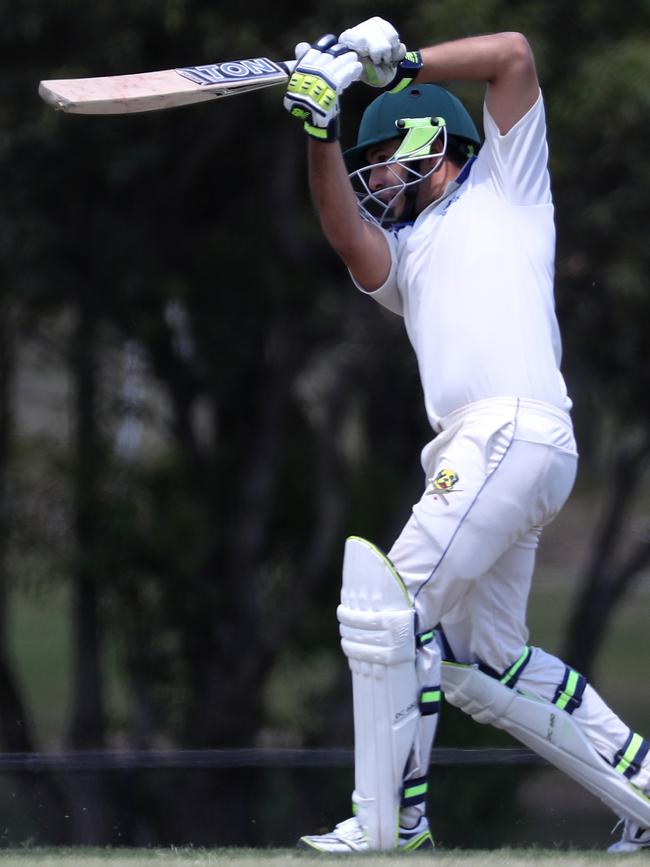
(498, 472)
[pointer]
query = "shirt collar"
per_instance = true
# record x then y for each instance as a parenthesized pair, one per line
(458, 181)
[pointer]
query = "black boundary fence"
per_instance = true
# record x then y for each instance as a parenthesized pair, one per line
(93, 760)
(261, 797)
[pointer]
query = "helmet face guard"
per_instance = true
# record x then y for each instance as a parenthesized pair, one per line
(402, 170)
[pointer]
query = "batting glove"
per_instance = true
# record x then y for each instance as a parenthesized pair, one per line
(385, 59)
(322, 72)
(379, 49)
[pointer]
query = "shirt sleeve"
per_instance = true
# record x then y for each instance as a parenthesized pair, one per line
(517, 163)
(388, 294)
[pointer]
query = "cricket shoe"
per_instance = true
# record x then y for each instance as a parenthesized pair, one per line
(633, 839)
(348, 836)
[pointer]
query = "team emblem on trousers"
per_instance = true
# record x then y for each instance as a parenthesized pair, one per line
(444, 482)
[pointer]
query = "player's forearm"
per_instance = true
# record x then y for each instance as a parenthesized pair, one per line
(477, 58)
(334, 198)
(361, 245)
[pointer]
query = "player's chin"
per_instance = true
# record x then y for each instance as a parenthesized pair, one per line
(386, 206)
(396, 208)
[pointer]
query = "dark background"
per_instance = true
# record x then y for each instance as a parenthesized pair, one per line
(196, 407)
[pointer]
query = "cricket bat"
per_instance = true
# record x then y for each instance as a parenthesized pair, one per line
(167, 88)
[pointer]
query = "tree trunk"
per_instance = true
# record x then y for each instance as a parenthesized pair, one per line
(608, 574)
(87, 728)
(15, 731)
(90, 808)
(236, 648)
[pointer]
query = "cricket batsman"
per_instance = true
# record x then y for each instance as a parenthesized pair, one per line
(456, 235)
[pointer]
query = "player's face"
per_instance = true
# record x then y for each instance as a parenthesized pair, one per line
(387, 181)
(392, 188)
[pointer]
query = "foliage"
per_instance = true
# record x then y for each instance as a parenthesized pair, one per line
(162, 232)
(282, 410)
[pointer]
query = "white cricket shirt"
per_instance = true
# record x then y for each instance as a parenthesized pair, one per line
(473, 278)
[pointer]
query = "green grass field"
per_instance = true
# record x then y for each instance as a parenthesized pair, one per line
(257, 858)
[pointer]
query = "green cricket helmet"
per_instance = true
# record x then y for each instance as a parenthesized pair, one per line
(380, 119)
(419, 115)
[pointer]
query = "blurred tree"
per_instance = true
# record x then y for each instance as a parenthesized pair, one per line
(129, 224)
(603, 112)
(15, 728)
(291, 404)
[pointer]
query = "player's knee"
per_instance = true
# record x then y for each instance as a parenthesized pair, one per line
(485, 702)
(484, 698)
(476, 694)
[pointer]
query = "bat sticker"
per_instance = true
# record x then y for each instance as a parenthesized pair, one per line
(216, 73)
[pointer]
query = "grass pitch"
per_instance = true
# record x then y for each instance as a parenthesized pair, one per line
(278, 857)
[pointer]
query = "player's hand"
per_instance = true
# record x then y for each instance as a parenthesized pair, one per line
(378, 46)
(322, 72)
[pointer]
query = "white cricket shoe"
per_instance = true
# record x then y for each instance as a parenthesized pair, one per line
(633, 839)
(348, 837)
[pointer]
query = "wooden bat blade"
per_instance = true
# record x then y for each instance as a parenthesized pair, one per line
(167, 88)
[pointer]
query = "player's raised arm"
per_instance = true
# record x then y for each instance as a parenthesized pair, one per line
(322, 73)
(503, 60)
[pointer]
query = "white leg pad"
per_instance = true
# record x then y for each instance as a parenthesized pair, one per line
(377, 624)
(549, 731)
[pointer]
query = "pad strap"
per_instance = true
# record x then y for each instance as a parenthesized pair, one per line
(430, 700)
(415, 792)
(447, 652)
(511, 675)
(568, 695)
(629, 758)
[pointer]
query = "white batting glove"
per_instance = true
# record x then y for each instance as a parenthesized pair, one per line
(301, 49)
(378, 46)
(322, 72)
